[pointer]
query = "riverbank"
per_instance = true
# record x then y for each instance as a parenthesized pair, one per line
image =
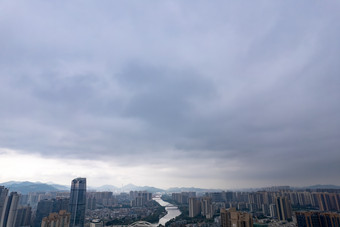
(172, 211)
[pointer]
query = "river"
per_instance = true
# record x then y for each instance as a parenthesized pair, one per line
(172, 211)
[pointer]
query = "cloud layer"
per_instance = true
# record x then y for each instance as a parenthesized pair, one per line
(209, 94)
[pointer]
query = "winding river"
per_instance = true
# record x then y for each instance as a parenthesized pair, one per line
(172, 211)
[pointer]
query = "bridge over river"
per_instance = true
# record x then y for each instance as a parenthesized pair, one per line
(172, 211)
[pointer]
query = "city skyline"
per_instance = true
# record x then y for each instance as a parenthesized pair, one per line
(77, 207)
(170, 94)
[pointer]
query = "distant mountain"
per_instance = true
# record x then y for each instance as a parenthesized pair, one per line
(132, 187)
(107, 187)
(60, 187)
(25, 187)
(192, 189)
(125, 188)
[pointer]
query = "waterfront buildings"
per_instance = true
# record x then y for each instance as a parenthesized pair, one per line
(77, 204)
(139, 198)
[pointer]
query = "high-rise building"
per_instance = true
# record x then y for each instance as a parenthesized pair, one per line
(283, 208)
(47, 206)
(9, 210)
(78, 202)
(183, 197)
(227, 196)
(317, 219)
(206, 207)
(194, 207)
(216, 196)
(60, 204)
(233, 218)
(44, 208)
(3, 195)
(139, 198)
(91, 202)
(325, 201)
(272, 210)
(23, 216)
(60, 219)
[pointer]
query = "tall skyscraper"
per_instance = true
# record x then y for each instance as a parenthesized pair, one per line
(9, 210)
(3, 195)
(78, 202)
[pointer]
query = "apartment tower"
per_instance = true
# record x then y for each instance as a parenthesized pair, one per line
(233, 218)
(283, 208)
(9, 210)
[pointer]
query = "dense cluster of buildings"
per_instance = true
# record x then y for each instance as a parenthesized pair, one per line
(56, 212)
(260, 201)
(96, 200)
(140, 198)
(314, 219)
(183, 197)
(68, 209)
(79, 208)
(231, 218)
(275, 203)
(211, 203)
(61, 219)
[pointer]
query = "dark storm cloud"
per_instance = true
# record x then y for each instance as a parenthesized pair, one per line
(249, 90)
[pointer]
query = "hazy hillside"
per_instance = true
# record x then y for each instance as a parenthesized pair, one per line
(26, 187)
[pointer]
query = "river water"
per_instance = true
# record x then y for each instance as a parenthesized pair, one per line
(172, 211)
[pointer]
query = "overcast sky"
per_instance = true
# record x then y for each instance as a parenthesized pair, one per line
(211, 94)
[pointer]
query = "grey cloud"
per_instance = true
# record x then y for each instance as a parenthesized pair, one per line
(254, 86)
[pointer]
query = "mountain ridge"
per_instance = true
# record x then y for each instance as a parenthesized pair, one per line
(25, 187)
